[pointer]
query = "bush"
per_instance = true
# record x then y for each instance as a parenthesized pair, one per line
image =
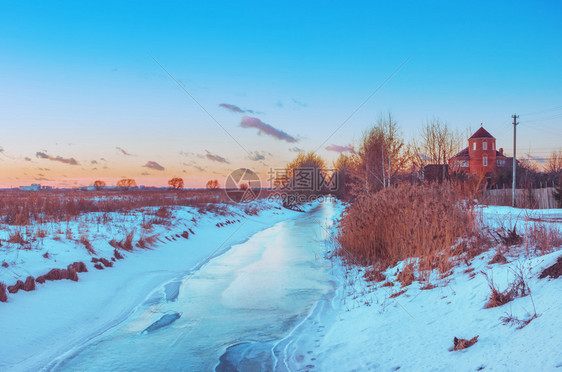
(543, 237)
(406, 221)
(3, 296)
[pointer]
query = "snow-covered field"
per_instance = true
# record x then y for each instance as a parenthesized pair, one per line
(38, 326)
(365, 329)
(361, 328)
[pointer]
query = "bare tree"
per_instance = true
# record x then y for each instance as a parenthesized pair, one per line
(382, 155)
(437, 143)
(554, 163)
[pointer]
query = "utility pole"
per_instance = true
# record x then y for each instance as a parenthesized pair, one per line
(515, 117)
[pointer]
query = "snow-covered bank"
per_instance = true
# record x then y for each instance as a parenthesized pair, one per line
(38, 326)
(365, 328)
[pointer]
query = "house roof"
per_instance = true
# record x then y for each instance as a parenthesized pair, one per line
(481, 133)
(500, 155)
(462, 154)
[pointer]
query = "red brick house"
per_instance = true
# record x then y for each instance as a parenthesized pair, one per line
(480, 157)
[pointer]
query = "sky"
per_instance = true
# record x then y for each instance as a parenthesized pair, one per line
(153, 90)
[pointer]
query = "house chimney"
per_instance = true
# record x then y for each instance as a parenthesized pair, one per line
(501, 150)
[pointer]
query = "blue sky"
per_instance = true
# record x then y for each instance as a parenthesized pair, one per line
(77, 81)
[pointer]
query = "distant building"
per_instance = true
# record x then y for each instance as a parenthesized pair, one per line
(35, 187)
(481, 156)
(434, 172)
(32, 187)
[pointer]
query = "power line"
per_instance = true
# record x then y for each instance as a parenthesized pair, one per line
(542, 111)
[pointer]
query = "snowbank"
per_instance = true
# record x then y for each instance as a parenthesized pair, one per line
(364, 328)
(39, 326)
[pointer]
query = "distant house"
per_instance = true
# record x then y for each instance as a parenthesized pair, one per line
(481, 156)
(434, 172)
(32, 187)
(35, 187)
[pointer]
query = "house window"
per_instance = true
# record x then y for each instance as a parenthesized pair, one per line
(484, 145)
(464, 163)
(500, 163)
(474, 145)
(485, 161)
(493, 145)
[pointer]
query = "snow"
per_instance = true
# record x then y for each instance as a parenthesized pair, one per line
(359, 328)
(364, 329)
(39, 326)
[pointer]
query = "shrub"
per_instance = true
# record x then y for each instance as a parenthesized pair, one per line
(79, 267)
(406, 221)
(117, 255)
(106, 262)
(543, 237)
(518, 288)
(16, 238)
(16, 287)
(29, 284)
(84, 240)
(3, 295)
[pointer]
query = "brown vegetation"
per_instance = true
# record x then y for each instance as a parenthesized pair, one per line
(16, 287)
(407, 221)
(461, 343)
(20, 208)
(554, 271)
(3, 295)
(543, 237)
(518, 288)
(16, 238)
(117, 255)
(29, 284)
(84, 240)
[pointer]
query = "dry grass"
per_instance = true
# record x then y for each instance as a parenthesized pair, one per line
(461, 343)
(21, 208)
(84, 240)
(543, 237)
(425, 221)
(16, 238)
(511, 320)
(3, 295)
(517, 288)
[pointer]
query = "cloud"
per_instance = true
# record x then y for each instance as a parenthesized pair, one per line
(216, 158)
(154, 165)
(234, 108)
(93, 162)
(250, 122)
(60, 159)
(258, 155)
(194, 165)
(123, 151)
(27, 158)
(296, 149)
(340, 149)
(298, 103)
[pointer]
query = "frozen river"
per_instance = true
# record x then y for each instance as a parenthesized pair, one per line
(246, 300)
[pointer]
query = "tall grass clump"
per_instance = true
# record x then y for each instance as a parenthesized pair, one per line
(406, 221)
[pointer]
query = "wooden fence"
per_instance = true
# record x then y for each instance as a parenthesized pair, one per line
(524, 198)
